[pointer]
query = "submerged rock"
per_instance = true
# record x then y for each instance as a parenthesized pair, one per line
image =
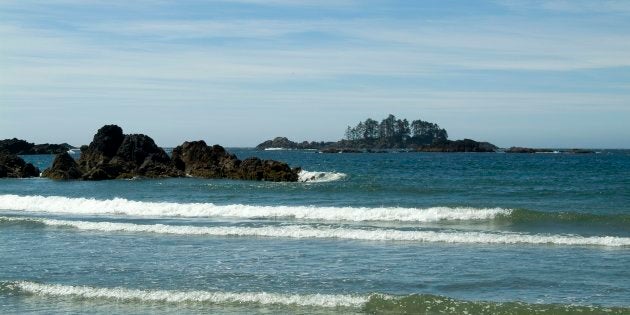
(14, 166)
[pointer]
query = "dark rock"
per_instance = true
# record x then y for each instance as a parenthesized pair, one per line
(252, 169)
(14, 166)
(284, 143)
(527, 150)
(278, 142)
(580, 151)
(200, 160)
(21, 147)
(466, 145)
(111, 154)
(63, 167)
(276, 171)
(16, 146)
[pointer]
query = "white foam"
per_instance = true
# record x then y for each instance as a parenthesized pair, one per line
(319, 177)
(305, 231)
(56, 204)
(218, 297)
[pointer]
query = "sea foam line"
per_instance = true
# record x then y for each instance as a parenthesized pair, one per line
(218, 297)
(305, 231)
(55, 204)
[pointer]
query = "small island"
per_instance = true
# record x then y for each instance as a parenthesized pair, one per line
(390, 134)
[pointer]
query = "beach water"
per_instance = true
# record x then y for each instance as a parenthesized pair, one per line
(458, 233)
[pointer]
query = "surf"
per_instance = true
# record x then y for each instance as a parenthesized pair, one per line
(342, 233)
(121, 206)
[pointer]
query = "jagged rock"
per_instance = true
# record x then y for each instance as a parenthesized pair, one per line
(111, 154)
(63, 167)
(14, 166)
(200, 160)
(22, 147)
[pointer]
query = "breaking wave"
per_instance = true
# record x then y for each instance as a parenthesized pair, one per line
(375, 303)
(319, 177)
(214, 297)
(55, 204)
(305, 231)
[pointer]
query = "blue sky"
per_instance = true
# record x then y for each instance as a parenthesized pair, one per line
(526, 73)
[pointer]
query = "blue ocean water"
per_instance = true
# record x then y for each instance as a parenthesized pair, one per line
(363, 233)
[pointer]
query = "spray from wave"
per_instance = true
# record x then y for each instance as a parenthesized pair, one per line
(319, 177)
(56, 204)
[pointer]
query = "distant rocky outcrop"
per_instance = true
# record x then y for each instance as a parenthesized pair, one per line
(286, 144)
(22, 147)
(200, 160)
(112, 154)
(466, 145)
(538, 150)
(370, 136)
(14, 166)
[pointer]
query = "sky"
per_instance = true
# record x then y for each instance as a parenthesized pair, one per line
(515, 73)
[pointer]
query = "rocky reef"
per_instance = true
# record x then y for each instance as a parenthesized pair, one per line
(466, 145)
(112, 154)
(23, 147)
(14, 166)
(539, 150)
(285, 143)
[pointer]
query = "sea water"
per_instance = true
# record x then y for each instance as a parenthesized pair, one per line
(432, 233)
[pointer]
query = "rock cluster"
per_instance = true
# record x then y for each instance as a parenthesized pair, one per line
(112, 154)
(14, 166)
(200, 160)
(466, 145)
(22, 147)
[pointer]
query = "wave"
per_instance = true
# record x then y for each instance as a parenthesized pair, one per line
(55, 204)
(305, 231)
(369, 303)
(214, 297)
(319, 177)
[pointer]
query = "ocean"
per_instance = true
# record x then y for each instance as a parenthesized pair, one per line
(418, 233)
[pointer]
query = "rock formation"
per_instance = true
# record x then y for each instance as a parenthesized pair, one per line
(63, 167)
(14, 166)
(22, 147)
(466, 145)
(200, 160)
(112, 154)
